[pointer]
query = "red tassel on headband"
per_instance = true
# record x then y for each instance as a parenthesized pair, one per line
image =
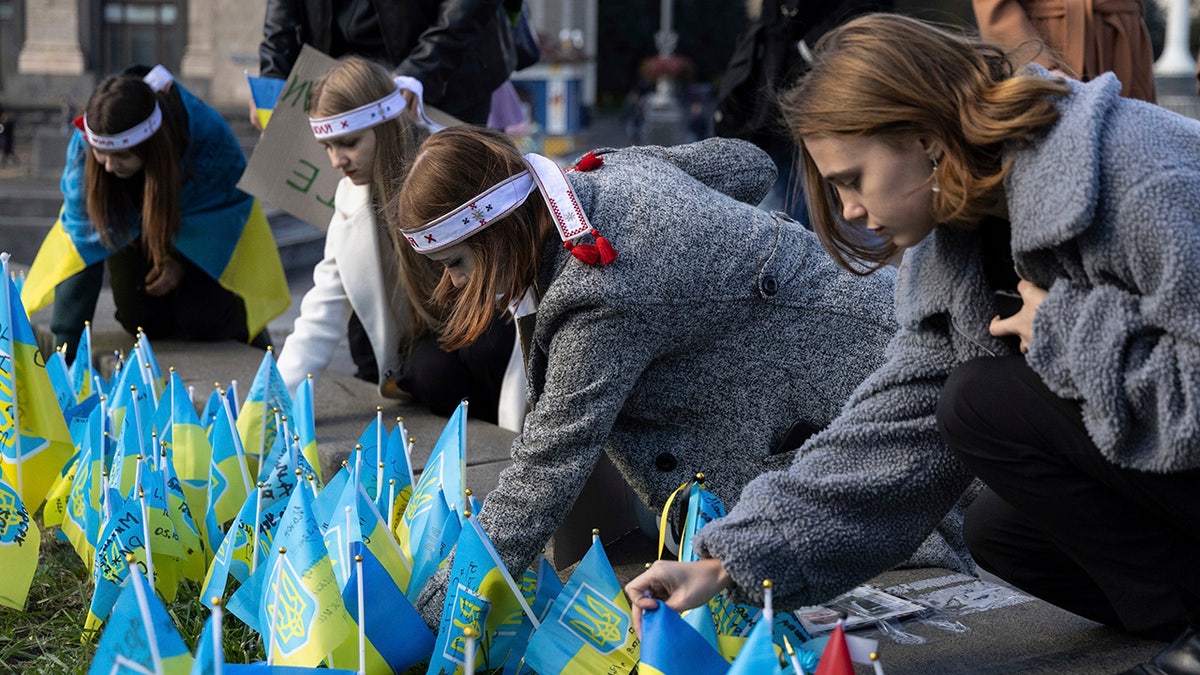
(602, 252)
(78, 122)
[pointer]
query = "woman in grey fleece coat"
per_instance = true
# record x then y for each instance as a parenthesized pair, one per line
(1081, 411)
(717, 326)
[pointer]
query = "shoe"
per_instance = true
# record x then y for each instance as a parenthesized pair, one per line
(1181, 657)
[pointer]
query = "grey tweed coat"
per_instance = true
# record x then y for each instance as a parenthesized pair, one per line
(1105, 213)
(717, 327)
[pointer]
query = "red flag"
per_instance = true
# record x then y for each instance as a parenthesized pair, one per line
(835, 660)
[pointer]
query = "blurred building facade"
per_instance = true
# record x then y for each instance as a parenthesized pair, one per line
(51, 50)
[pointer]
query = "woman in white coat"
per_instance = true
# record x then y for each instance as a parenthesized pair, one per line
(358, 113)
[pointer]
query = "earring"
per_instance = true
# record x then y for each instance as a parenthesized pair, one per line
(935, 187)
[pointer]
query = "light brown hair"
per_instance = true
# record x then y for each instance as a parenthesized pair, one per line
(354, 82)
(118, 104)
(453, 166)
(895, 77)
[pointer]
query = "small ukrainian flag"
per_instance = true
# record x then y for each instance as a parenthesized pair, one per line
(265, 91)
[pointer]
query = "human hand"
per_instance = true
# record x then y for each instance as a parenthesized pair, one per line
(1021, 323)
(254, 117)
(164, 277)
(681, 585)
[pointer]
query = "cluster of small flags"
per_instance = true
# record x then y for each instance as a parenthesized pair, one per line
(150, 493)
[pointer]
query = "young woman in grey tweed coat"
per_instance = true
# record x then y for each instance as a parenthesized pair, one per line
(1080, 410)
(716, 327)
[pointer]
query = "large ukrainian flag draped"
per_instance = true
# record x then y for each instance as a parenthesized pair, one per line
(34, 441)
(224, 230)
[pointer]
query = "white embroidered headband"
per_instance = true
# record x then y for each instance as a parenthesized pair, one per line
(372, 114)
(542, 174)
(157, 79)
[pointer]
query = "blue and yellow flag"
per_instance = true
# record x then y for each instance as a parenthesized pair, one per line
(196, 553)
(265, 91)
(671, 646)
(354, 519)
(588, 629)
(60, 380)
(703, 508)
(302, 610)
(434, 527)
(83, 370)
(211, 407)
(123, 534)
(250, 537)
(229, 477)
(758, 655)
(34, 441)
(397, 474)
(179, 429)
(439, 489)
(396, 636)
(140, 636)
(256, 420)
(305, 425)
(19, 542)
(540, 585)
(82, 518)
(481, 595)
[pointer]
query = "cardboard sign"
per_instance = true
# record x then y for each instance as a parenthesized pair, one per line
(289, 168)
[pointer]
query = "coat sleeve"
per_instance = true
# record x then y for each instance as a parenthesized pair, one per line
(443, 47)
(1129, 348)
(563, 436)
(321, 325)
(280, 46)
(859, 498)
(736, 168)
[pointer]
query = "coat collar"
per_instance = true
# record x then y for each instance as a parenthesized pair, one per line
(350, 198)
(1053, 187)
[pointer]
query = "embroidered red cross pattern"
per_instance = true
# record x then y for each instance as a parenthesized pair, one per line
(479, 215)
(345, 123)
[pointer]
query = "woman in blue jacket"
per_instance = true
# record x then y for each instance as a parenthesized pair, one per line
(150, 191)
(1050, 334)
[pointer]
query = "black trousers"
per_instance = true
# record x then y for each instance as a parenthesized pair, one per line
(1117, 546)
(440, 379)
(198, 309)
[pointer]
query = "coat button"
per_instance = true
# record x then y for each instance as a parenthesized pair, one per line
(769, 285)
(666, 462)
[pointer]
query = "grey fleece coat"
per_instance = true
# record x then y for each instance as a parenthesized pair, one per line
(1105, 213)
(717, 327)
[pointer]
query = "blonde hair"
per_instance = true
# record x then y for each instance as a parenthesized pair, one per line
(119, 103)
(455, 165)
(895, 77)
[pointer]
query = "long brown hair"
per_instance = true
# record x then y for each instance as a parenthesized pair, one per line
(354, 82)
(453, 166)
(119, 103)
(895, 77)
